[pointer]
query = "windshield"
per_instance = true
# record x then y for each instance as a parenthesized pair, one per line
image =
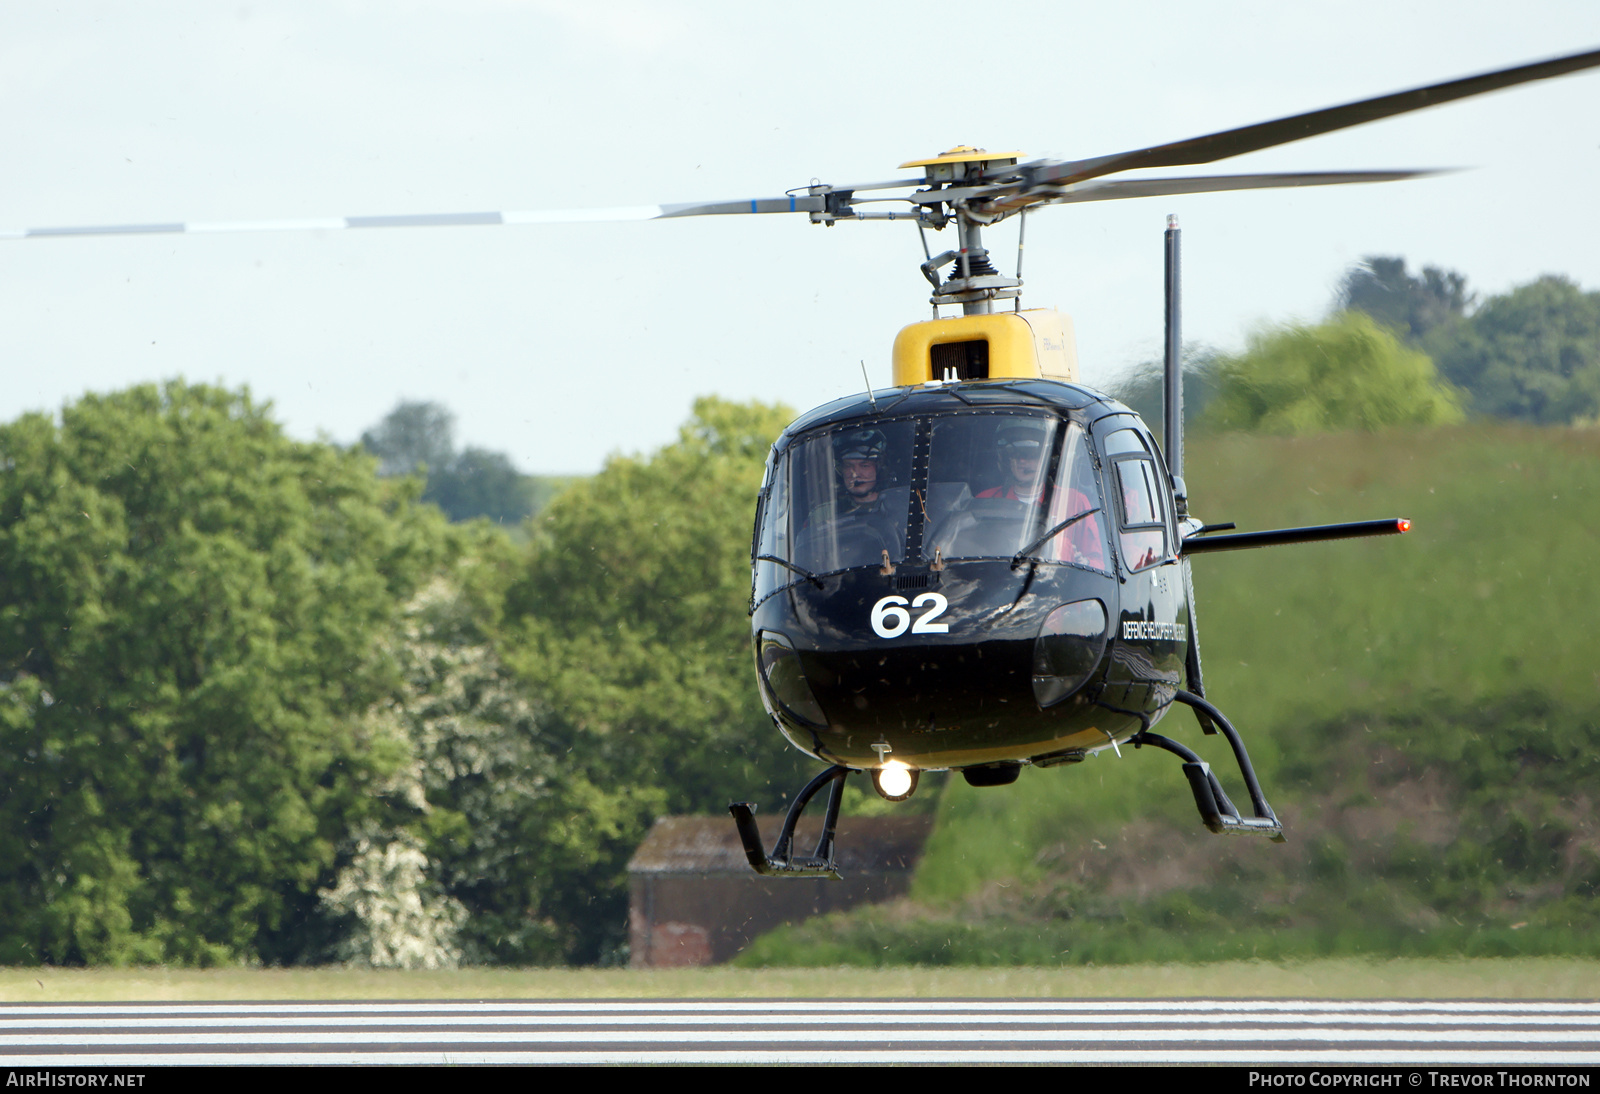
(847, 496)
(985, 484)
(998, 484)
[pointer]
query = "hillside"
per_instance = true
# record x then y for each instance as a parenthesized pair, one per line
(1422, 711)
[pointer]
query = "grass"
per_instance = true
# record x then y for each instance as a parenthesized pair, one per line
(1493, 593)
(1516, 978)
(1422, 711)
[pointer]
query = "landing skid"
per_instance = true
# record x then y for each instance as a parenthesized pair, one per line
(1216, 811)
(783, 862)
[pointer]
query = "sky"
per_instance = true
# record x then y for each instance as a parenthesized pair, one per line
(562, 344)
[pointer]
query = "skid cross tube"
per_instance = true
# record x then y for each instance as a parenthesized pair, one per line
(783, 862)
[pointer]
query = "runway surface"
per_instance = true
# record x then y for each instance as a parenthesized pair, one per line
(820, 1031)
(805, 1032)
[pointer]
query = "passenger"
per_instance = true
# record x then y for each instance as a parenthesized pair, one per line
(1022, 458)
(1023, 448)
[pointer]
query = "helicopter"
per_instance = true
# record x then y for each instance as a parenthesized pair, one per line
(986, 565)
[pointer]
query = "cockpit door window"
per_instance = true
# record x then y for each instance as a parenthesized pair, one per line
(849, 495)
(1142, 516)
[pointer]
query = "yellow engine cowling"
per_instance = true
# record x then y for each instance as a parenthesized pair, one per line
(1032, 344)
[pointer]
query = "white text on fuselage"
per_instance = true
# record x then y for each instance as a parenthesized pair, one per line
(1141, 630)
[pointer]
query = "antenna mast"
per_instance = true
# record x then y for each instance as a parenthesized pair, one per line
(1172, 403)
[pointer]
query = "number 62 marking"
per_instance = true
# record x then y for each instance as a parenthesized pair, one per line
(890, 618)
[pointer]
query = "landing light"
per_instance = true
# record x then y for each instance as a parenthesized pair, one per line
(894, 781)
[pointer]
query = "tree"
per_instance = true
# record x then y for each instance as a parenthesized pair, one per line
(630, 622)
(419, 439)
(1381, 288)
(494, 819)
(188, 607)
(413, 438)
(1144, 392)
(1347, 373)
(480, 483)
(1532, 354)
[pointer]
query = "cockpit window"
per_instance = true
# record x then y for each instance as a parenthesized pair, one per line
(986, 484)
(998, 484)
(1125, 442)
(1077, 506)
(850, 495)
(1143, 533)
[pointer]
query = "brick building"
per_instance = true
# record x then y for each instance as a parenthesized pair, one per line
(693, 899)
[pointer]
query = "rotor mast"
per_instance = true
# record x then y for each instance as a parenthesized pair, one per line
(974, 283)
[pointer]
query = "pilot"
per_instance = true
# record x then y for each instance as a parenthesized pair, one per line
(1022, 447)
(857, 456)
(872, 518)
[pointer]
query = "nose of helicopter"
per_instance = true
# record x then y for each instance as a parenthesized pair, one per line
(969, 668)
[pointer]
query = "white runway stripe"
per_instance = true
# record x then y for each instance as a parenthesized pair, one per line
(1263, 1058)
(807, 1031)
(830, 1035)
(1199, 1022)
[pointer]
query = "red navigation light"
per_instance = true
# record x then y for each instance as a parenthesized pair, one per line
(1402, 525)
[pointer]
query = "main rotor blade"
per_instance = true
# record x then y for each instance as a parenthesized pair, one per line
(793, 203)
(788, 204)
(1113, 189)
(1270, 134)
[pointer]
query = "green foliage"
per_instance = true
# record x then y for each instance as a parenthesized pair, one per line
(402, 920)
(630, 623)
(188, 602)
(480, 483)
(513, 824)
(419, 439)
(411, 439)
(1487, 593)
(1143, 390)
(1464, 831)
(1347, 373)
(1532, 354)
(631, 620)
(1410, 306)
(1180, 933)
(255, 703)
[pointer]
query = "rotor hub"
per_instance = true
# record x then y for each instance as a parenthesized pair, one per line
(962, 163)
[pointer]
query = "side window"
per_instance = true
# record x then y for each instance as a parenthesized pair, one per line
(1141, 516)
(1076, 500)
(772, 531)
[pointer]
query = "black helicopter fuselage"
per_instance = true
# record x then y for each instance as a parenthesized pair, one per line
(962, 633)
